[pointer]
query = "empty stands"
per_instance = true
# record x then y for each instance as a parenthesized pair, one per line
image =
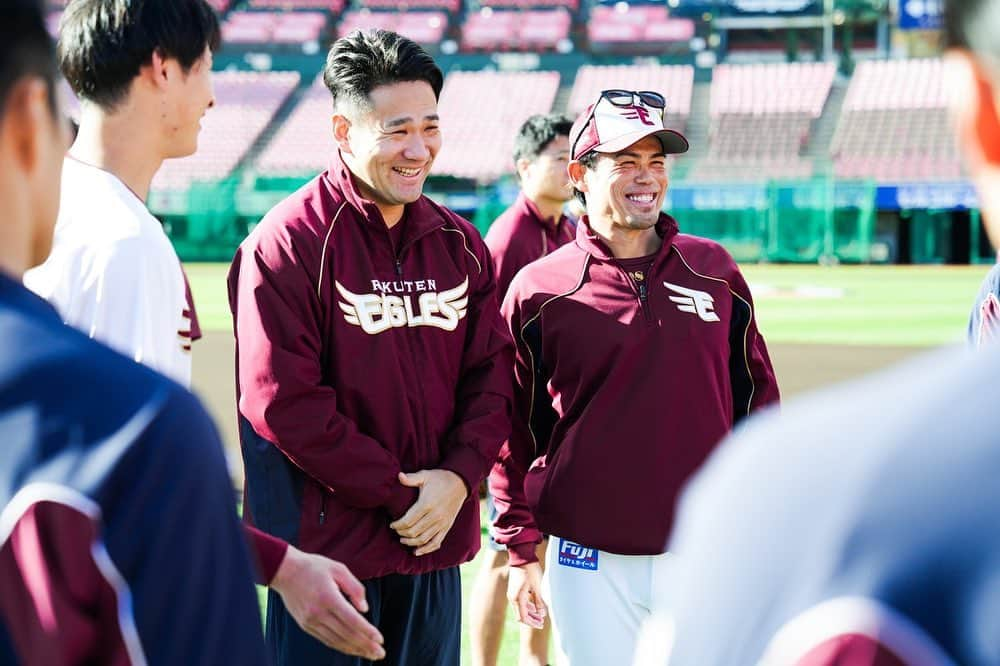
(334, 6)
(894, 125)
(510, 30)
(304, 144)
(761, 118)
(635, 27)
(480, 114)
(404, 5)
(245, 103)
(273, 27)
(423, 27)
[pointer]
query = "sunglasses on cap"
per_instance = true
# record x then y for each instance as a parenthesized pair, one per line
(622, 98)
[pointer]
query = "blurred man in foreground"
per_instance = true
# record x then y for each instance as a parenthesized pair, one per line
(860, 526)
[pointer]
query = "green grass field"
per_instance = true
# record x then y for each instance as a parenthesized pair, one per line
(869, 305)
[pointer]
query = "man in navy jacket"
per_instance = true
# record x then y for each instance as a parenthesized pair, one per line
(119, 542)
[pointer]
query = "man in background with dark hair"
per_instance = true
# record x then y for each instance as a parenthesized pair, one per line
(531, 228)
(373, 365)
(143, 73)
(860, 525)
(119, 542)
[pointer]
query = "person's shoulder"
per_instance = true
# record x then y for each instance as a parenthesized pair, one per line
(54, 360)
(559, 272)
(507, 224)
(97, 209)
(307, 212)
(704, 255)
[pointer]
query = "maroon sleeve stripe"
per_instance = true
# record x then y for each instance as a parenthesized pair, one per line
(81, 602)
(866, 630)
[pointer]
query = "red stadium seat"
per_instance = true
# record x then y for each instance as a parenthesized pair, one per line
(245, 104)
(894, 125)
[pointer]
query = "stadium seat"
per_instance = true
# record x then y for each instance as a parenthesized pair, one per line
(508, 30)
(423, 27)
(333, 6)
(627, 27)
(245, 103)
(761, 119)
(303, 145)
(273, 27)
(480, 114)
(894, 125)
(452, 6)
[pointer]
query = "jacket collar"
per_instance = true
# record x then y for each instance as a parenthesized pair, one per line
(421, 216)
(527, 207)
(591, 243)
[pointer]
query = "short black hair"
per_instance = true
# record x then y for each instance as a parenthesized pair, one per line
(25, 48)
(538, 132)
(104, 43)
(589, 161)
(366, 59)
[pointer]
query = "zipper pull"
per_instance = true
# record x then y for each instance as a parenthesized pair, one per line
(642, 291)
(399, 267)
(322, 516)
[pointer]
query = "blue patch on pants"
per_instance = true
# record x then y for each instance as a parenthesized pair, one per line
(577, 556)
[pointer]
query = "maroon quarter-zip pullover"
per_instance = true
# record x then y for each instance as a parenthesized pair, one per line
(623, 386)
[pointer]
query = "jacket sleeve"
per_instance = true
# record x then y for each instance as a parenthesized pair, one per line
(269, 552)
(151, 568)
(483, 395)
(515, 526)
(279, 352)
(984, 320)
(751, 374)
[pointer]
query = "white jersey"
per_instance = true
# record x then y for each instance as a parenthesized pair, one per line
(114, 274)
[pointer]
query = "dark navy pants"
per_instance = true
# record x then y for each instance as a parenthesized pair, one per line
(420, 618)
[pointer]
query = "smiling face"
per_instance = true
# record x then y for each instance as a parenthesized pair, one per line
(625, 189)
(390, 146)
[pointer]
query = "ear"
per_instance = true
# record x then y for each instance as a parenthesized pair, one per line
(25, 116)
(157, 71)
(974, 107)
(576, 172)
(341, 132)
(522, 165)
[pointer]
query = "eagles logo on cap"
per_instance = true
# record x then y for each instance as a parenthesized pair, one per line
(620, 118)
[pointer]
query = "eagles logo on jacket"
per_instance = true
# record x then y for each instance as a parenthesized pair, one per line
(358, 359)
(622, 389)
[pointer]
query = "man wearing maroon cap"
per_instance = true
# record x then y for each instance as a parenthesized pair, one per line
(637, 351)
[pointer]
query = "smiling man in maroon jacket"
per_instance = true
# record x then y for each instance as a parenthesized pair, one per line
(637, 351)
(373, 364)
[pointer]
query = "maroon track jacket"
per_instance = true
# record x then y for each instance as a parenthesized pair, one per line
(357, 359)
(622, 389)
(520, 236)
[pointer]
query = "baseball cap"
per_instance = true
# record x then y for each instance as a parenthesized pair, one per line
(618, 119)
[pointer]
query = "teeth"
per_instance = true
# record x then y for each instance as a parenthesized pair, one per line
(407, 172)
(642, 198)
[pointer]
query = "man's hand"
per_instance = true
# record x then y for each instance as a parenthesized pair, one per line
(524, 592)
(426, 524)
(313, 588)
